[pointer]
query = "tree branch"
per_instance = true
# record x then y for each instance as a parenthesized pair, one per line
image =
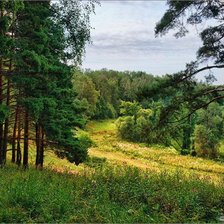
(200, 107)
(198, 71)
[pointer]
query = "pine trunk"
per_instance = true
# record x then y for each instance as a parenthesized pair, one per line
(37, 145)
(18, 155)
(2, 162)
(26, 140)
(6, 130)
(14, 137)
(41, 161)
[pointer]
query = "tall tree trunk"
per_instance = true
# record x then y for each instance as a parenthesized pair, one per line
(14, 137)
(18, 155)
(26, 140)
(13, 159)
(42, 149)
(1, 97)
(187, 135)
(37, 145)
(6, 130)
(1, 124)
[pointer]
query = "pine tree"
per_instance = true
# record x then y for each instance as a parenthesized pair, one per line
(8, 9)
(36, 91)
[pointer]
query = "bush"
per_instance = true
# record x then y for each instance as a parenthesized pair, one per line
(206, 143)
(209, 130)
(184, 152)
(85, 141)
(137, 124)
(79, 153)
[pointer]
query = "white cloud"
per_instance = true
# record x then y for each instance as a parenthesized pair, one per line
(124, 39)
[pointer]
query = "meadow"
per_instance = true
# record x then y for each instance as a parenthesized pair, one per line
(154, 158)
(120, 182)
(64, 158)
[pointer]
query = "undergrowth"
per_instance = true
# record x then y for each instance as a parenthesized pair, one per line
(107, 194)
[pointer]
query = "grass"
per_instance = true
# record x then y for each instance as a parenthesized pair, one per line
(121, 182)
(115, 194)
(155, 159)
(51, 161)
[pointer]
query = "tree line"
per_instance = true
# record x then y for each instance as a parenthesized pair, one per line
(101, 91)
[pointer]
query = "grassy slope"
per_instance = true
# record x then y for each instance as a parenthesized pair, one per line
(155, 159)
(180, 189)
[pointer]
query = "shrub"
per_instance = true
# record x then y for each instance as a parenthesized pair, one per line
(137, 124)
(209, 130)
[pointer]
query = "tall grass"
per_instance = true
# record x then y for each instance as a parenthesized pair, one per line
(107, 194)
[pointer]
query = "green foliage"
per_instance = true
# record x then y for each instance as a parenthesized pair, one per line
(104, 110)
(4, 112)
(182, 88)
(129, 108)
(107, 195)
(43, 79)
(137, 123)
(142, 125)
(209, 130)
(101, 91)
(198, 134)
(86, 92)
(85, 141)
(74, 18)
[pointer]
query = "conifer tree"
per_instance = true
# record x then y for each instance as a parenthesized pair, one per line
(35, 48)
(8, 9)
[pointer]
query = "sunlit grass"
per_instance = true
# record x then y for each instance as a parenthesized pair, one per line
(103, 125)
(110, 194)
(118, 152)
(156, 159)
(51, 160)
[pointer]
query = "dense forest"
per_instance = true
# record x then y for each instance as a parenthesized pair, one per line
(118, 146)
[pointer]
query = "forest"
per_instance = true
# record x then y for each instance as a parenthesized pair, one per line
(144, 118)
(101, 145)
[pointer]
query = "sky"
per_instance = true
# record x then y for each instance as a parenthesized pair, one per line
(123, 39)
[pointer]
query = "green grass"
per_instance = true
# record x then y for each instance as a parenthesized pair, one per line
(103, 125)
(109, 194)
(121, 182)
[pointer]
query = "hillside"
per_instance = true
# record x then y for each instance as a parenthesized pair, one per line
(121, 182)
(154, 159)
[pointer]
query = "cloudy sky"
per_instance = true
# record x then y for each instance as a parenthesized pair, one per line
(123, 39)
